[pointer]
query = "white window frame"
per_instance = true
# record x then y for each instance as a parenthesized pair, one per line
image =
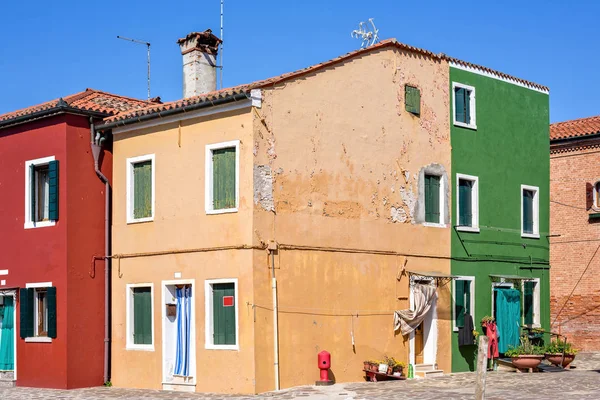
(472, 108)
(130, 190)
(472, 309)
(29, 220)
(536, 302)
(440, 223)
(474, 203)
(208, 313)
(536, 211)
(130, 345)
(35, 338)
(501, 284)
(208, 178)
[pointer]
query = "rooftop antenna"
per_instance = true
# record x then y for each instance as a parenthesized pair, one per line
(148, 47)
(368, 38)
(221, 52)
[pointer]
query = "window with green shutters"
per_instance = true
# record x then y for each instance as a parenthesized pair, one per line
(432, 198)
(528, 302)
(464, 105)
(142, 315)
(221, 309)
(222, 174)
(529, 211)
(38, 312)
(42, 192)
(463, 296)
(142, 189)
(465, 202)
(412, 99)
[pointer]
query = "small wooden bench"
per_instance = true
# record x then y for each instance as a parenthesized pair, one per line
(373, 376)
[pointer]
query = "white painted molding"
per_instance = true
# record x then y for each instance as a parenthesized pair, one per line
(130, 190)
(38, 285)
(474, 203)
(481, 72)
(129, 345)
(29, 223)
(208, 177)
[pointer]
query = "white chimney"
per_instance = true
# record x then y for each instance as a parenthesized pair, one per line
(199, 51)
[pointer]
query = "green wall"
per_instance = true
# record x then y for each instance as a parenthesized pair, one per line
(509, 148)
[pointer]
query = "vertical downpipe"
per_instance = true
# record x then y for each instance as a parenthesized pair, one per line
(275, 322)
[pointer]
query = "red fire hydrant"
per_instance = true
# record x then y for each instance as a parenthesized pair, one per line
(324, 363)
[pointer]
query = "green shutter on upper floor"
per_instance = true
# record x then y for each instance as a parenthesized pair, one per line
(528, 302)
(224, 179)
(459, 104)
(467, 106)
(465, 202)
(142, 189)
(51, 304)
(224, 332)
(53, 190)
(26, 309)
(142, 315)
(412, 99)
(528, 211)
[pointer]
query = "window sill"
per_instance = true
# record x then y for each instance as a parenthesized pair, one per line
(222, 347)
(140, 347)
(433, 225)
(140, 220)
(530, 235)
(222, 211)
(467, 126)
(468, 229)
(41, 224)
(38, 339)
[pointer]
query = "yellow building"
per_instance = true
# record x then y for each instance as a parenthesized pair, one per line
(304, 193)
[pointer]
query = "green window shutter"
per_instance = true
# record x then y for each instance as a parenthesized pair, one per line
(53, 190)
(32, 192)
(428, 205)
(142, 315)
(432, 198)
(459, 104)
(142, 189)
(527, 211)
(26, 317)
(467, 106)
(51, 302)
(224, 178)
(465, 212)
(223, 317)
(467, 290)
(459, 303)
(528, 302)
(412, 99)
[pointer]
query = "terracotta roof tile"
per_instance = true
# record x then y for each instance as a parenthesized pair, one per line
(89, 100)
(132, 114)
(575, 128)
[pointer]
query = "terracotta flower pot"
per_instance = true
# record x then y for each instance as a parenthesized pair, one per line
(557, 358)
(366, 366)
(374, 367)
(527, 361)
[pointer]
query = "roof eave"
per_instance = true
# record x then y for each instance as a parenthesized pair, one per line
(49, 112)
(578, 138)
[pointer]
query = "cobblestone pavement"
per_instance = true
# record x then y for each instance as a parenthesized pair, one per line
(580, 383)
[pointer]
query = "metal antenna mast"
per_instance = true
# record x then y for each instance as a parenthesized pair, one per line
(148, 47)
(221, 52)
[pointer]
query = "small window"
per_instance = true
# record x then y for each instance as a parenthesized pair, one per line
(464, 300)
(222, 315)
(529, 211)
(140, 317)
(38, 311)
(222, 180)
(412, 98)
(41, 192)
(464, 105)
(432, 199)
(467, 203)
(597, 195)
(531, 303)
(140, 204)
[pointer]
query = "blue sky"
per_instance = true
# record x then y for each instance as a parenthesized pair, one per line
(50, 49)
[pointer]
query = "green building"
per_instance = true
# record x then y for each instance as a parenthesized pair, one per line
(500, 203)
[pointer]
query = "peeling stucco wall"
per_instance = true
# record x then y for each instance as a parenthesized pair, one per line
(263, 187)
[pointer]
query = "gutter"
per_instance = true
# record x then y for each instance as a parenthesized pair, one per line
(61, 108)
(173, 111)
(96, 146)
(574, 139)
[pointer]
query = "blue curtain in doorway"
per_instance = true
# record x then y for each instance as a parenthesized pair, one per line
(7, 336)
(508, 314)
(184, 311)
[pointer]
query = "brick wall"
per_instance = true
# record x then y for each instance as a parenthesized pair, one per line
(573, 171)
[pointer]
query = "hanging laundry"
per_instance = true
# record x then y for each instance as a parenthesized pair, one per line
(465, 333)
(491, 331)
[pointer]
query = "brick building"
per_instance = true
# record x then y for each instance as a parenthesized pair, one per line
(575, 216)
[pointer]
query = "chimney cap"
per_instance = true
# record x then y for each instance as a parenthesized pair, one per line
(205, 41)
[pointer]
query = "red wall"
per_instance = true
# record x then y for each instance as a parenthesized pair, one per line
(60, 254)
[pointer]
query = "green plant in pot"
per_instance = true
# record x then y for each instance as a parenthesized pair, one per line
(560, 353)
(526, 355)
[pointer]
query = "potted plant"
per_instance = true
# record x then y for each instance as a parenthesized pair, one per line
(555, 350)
(395, 367)
(536, 336)
(526, 355)
(374, 364)
(485, 321)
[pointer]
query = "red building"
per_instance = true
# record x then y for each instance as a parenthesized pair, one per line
(52, 224)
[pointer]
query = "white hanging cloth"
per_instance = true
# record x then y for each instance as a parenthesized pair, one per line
(409, 320)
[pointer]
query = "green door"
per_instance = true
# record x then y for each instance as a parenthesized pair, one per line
(7, 334)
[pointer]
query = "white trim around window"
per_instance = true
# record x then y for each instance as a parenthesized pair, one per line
(130, 190)
(474, 203)
(208, 315)
(472, 309)
(29, 223)
(536, 302)
(536, 211)
(472, 106)
(130, 345)
(208, 178)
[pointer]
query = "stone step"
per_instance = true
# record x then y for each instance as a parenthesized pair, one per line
(4, 383)
(424, 367)
(7, 375)
(434, 373)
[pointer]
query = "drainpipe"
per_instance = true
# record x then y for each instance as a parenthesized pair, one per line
(275, 321)
(96, 146)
